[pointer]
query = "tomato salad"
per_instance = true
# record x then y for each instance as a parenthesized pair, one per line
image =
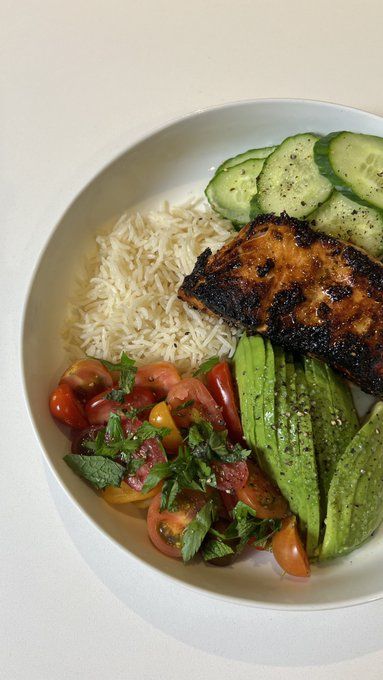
(175, 445)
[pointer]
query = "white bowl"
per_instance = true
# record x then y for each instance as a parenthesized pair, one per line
(175, 162)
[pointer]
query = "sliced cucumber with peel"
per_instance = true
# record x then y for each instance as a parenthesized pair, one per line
(230, 191)
(350, 221)
(353, 163)
(290, 180)
(264, 152)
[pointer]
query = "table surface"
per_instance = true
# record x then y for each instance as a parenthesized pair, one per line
(79, 81)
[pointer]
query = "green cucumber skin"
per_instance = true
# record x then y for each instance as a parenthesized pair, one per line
(262, 152)
(355, 503)
(224, 202)
(321, 157)
(307, 461)
(350, 221)
(259, 205)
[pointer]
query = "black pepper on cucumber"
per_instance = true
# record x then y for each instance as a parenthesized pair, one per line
(336, 182)
(290, 180)
(353, 163)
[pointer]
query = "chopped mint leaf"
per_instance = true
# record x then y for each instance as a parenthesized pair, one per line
(147, 431)
(196, 531)
(97, 470)
(214, 549)
(170, 490)
(185, 404)
(206, 366)
(127, 369)
(116, 395)
(158, 472)
(114, 430)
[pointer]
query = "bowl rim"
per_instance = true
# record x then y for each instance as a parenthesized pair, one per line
(136, 140)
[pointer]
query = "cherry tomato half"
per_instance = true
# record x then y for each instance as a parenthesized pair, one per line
(65, 407)
(221, 386)
(99, 408)
(87, 377)
(203, 404)
(151, 453)
(118, 495)
(288, 549)
(261, 495)
(165, 528)
(230, 476)
(160, 416)
(159, 377)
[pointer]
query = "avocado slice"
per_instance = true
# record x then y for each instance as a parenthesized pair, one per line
(343, 411)
(308, 476)
(270, 452)
(334, 420)
(355, 499)
(249, 377)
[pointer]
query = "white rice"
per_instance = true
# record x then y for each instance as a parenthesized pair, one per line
(127, 301)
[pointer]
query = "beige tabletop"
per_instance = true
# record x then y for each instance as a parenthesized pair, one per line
(79, 81)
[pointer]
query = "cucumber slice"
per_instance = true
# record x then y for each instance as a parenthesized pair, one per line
(230, 191)
(290, 180)
(350, 221)
(247, 155)
(355, 501)
(354, 165)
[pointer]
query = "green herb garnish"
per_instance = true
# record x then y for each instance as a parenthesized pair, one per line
(206, 366)
(97, 470)
(196, 531)
(127, 369)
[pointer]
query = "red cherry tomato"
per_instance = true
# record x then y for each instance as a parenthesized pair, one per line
(261, 495)
(221, 386)
(159, 377)
(99, 408)
(65, 407)
(151, 453)
(165, 528)
(87, 377)
(230, 476)
(288, 549)
(79, 439)
(203, 405)
(229, 501)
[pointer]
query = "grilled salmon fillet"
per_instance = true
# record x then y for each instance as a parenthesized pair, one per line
(304, 290)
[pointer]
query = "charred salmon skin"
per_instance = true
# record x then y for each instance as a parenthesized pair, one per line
(305, 290)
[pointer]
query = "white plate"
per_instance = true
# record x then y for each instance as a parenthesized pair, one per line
(176, 162)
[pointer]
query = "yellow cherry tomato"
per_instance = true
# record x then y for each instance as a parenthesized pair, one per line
(125, 494)
(160, 416)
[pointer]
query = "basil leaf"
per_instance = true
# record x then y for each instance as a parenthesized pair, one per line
(216, 548)
(206, 366)
(196, 531)
(97, 470)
